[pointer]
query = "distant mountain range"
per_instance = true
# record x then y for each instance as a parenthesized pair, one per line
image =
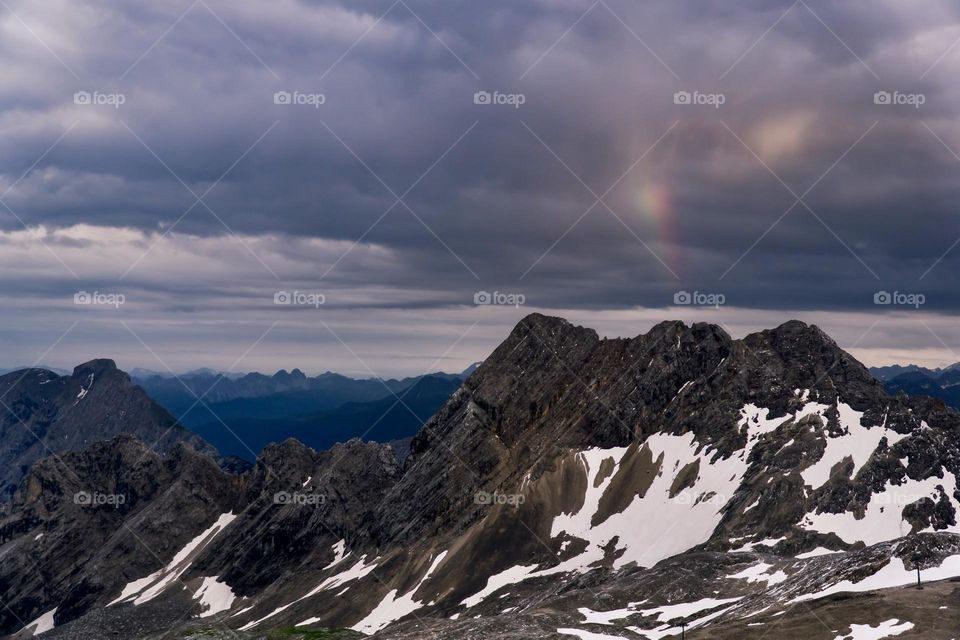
(386, 419)
(262, 396)
(938, 383)
(239, 415)
(892, 371)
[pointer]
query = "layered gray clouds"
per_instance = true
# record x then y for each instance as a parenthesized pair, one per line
(399, 157)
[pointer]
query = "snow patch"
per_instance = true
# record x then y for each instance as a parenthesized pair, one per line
(85, 389)
(819, 551)
(339, 553)
(41, 625)
(685, 609)
(160, 580)
(358, 570)
(607, 617)
(393, 608)
(355, 572)
(858, 442)
(882, 630)
(758, 573)
(767, 542)
(215, 596)
(496, 581)
(588, 635)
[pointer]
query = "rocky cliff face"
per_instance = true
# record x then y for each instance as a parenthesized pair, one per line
(43, 414)
(84, 523)
(572, 485)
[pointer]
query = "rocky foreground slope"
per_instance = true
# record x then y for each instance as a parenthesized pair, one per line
(572, 486)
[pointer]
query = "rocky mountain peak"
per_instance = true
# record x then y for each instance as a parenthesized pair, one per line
(551, 329)
(52, 414)
(288, 376)
(97, 366)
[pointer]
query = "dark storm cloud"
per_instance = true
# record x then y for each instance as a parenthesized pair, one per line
(493, 204)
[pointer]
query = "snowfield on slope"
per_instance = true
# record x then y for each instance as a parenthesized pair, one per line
(148, 588)
(357, 570)
(656, 525)
(857, 443)
(883, 519)
(393, 608)
(894, 574)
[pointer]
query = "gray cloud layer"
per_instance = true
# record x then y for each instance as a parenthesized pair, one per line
(493, 197)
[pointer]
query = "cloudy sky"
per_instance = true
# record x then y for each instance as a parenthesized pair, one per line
(167, 169)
